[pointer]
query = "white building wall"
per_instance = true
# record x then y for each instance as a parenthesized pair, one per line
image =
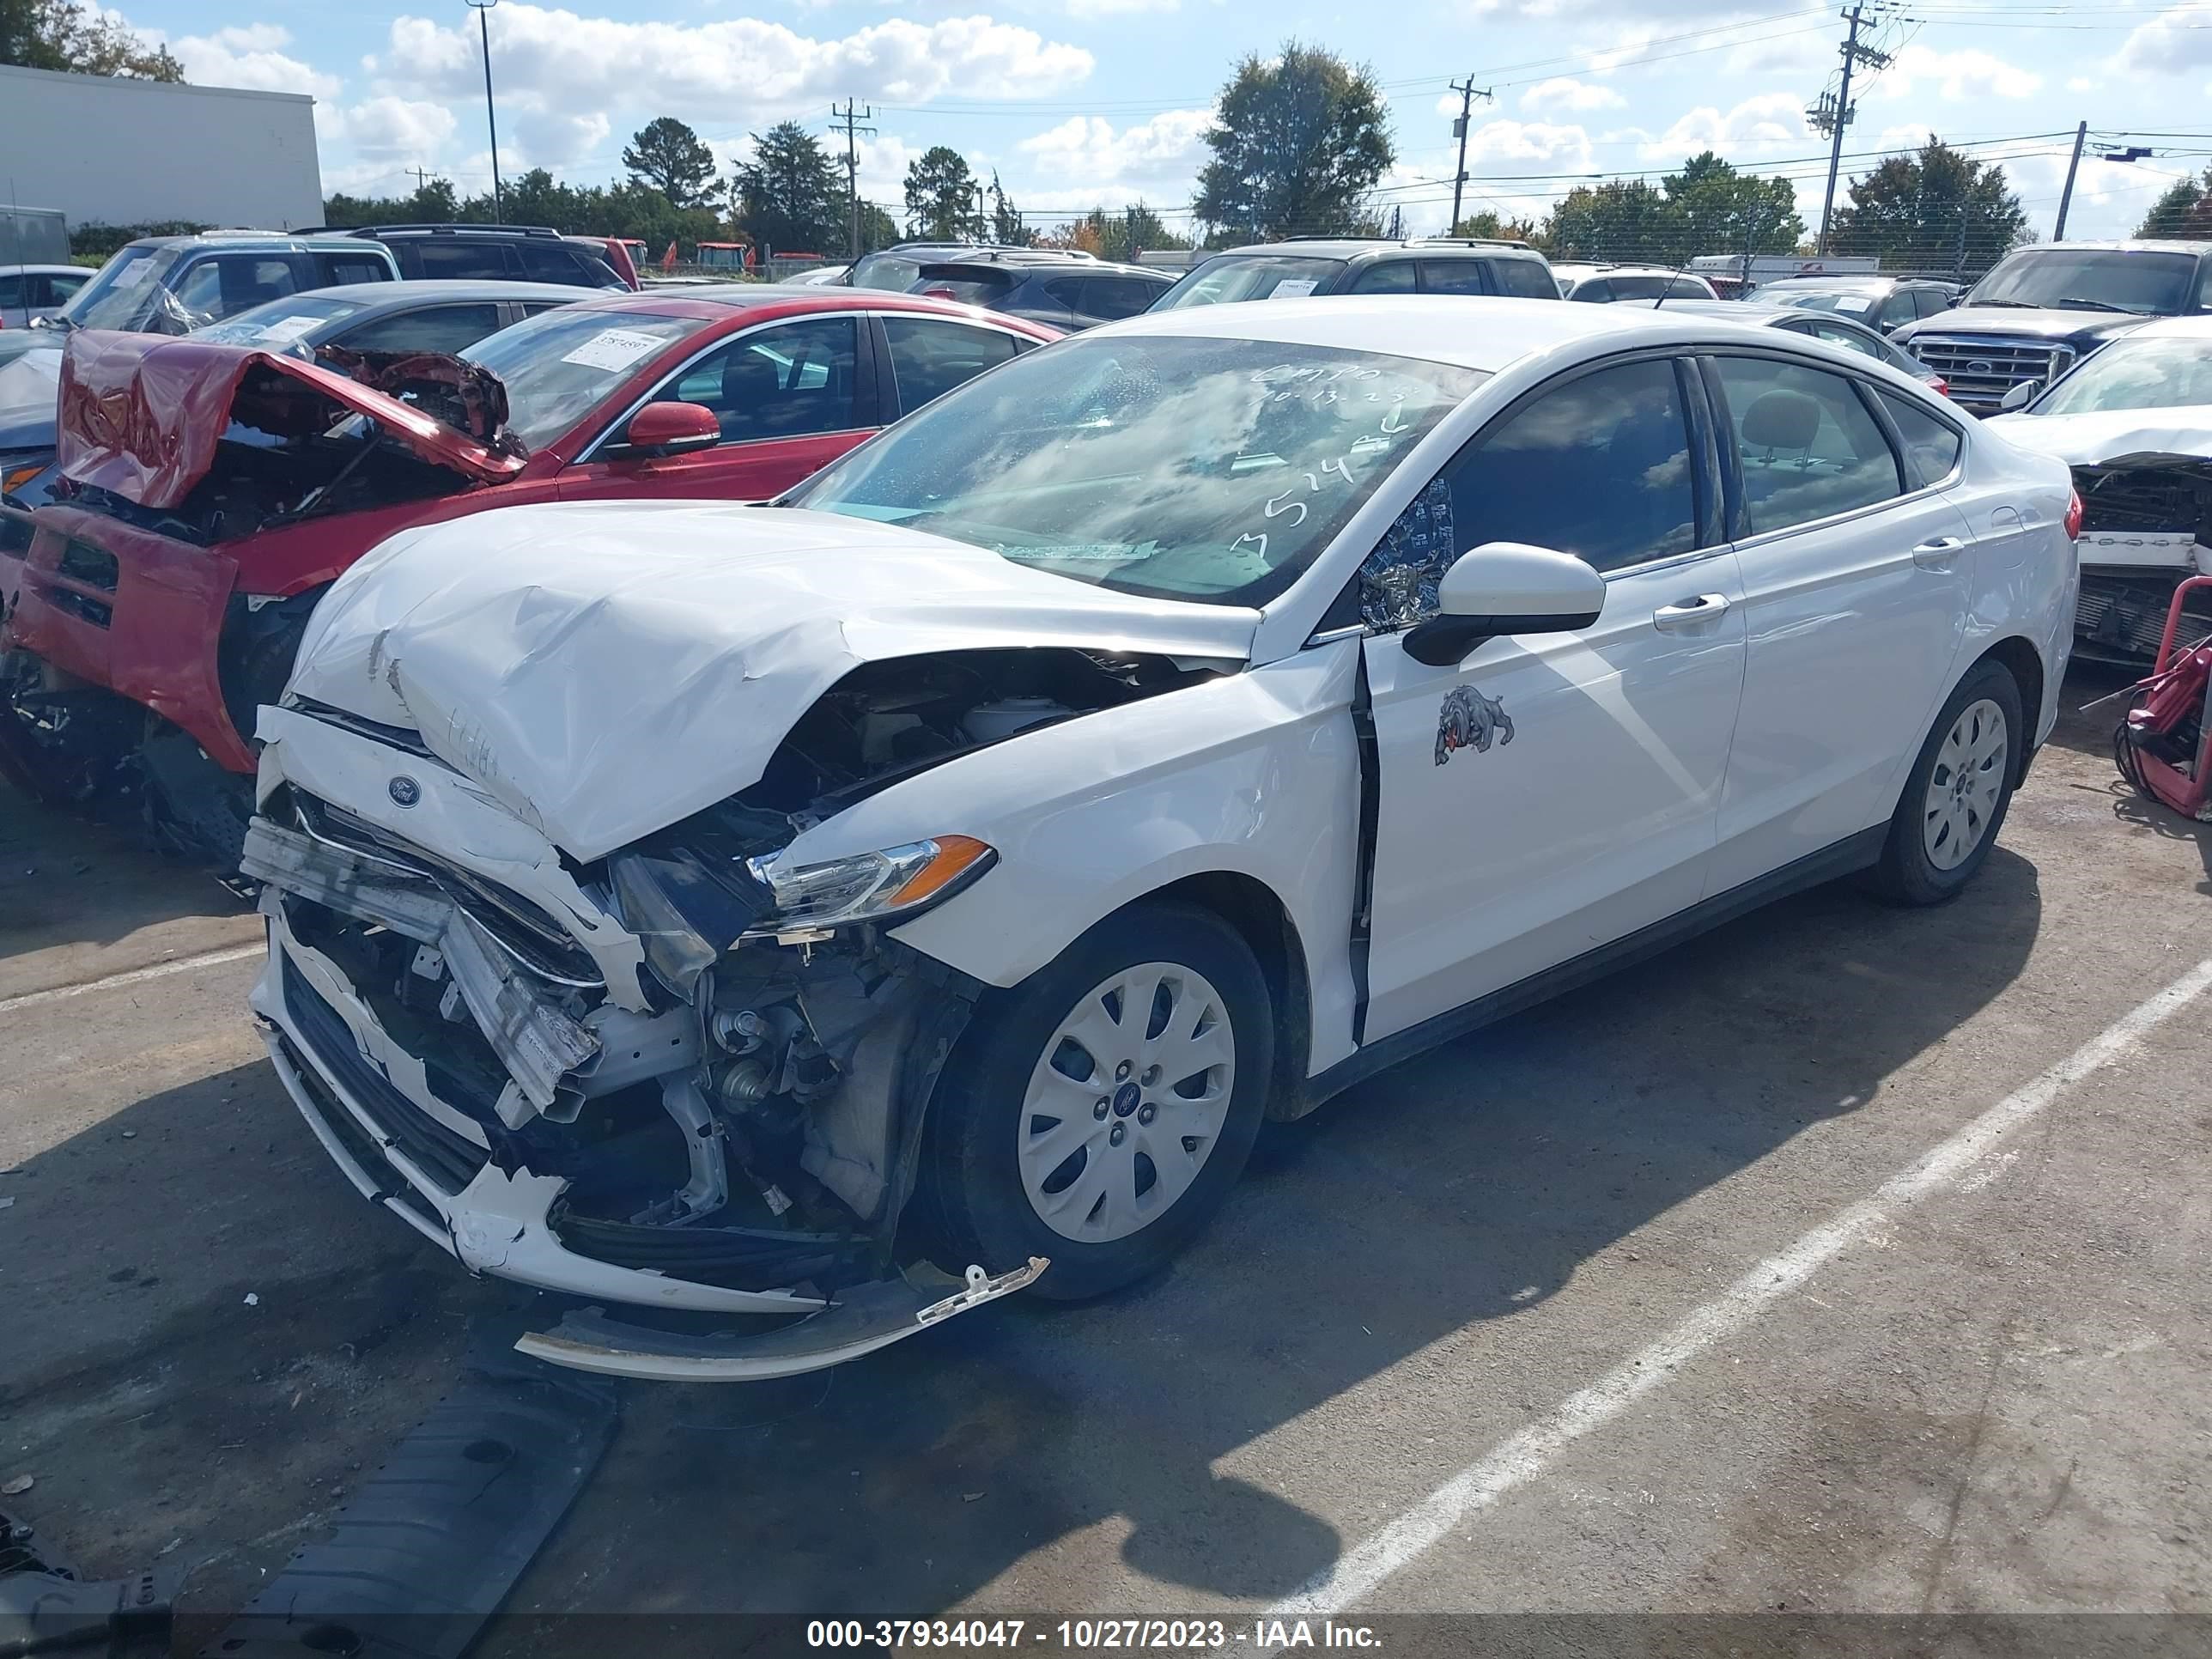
(117, 152)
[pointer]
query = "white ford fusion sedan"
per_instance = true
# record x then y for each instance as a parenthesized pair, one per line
(785, 927)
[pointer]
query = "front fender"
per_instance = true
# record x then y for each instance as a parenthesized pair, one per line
(1254, 773)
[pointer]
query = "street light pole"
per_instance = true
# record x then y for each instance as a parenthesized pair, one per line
(483, 9)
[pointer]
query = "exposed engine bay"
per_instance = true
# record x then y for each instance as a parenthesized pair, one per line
(2145, 524)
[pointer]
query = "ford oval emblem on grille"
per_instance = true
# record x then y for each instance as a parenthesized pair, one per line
(404, 791)
(1981, 365)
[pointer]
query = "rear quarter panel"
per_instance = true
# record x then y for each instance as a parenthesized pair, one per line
(2026, 585)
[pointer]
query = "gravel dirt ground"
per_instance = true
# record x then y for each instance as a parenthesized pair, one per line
(1996, 1400)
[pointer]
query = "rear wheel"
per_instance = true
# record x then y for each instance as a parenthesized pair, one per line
(1956, 796)
(1099, 1113)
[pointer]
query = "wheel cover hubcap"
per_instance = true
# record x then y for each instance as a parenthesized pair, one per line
(1126, 1103)
(1964, 788)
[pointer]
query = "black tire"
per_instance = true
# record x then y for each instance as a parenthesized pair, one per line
(972, 1185)
(1906, 874)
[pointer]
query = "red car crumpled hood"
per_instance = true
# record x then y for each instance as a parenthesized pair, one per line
(141, 414)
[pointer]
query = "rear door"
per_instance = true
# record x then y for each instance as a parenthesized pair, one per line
(1549, 795)
(1856, 569)
(791, 397)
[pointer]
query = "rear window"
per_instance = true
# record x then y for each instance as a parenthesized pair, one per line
(279, 323)
(1229, 277)
(970, 285)
(475, 262)
(1527, 279)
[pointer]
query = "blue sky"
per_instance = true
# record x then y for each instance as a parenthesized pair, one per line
(1078, 102)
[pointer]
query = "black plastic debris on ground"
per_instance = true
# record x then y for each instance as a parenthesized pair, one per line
(45, 1608)
(431, 1543)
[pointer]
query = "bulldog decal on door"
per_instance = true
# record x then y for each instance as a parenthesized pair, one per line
(1470, 720)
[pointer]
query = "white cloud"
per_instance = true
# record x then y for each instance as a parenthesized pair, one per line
(556, 60)
(1770, 123)
(1956, 75)
(1563, 94)
(386, 131)
(1089, 153)
(1117, 7)
(2174, 42)
(1510, 147)
(250, 57)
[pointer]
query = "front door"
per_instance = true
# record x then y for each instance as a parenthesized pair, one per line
(791, 397)
(1552, 793)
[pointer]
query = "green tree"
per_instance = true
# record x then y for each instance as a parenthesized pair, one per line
(1119, 234)
(877, 227)
(1937, 210)
(789, 195)
(436, 202)
(940, 197)
(1620, 219)
(1487, 224)
(1007, 226)
(1715, 210)
(2185, 210)
(56, 34)
(669, 156)
(1300, 143)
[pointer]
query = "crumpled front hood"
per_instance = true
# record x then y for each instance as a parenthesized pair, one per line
(604, 669)
(2112, 435)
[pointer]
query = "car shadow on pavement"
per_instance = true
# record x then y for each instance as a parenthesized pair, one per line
(1464, 1188)
(67, 882)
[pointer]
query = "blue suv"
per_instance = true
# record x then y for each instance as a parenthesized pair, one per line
(173, 284)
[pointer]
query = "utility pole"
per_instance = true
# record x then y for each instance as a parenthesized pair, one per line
(849, 118)
(422, 180)
(1468, 94)
(2066, 196)
(1834, 117)
(483, 9)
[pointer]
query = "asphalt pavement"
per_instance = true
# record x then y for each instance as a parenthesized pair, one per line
(1906, 1212)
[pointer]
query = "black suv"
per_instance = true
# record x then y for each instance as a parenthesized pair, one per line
(1051, 291)
(894, 270)
(488, 253)
(1282, 270)
(2042, 309)
(1887, 303)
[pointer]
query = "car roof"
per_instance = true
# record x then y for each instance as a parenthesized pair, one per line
(415, 291)
(1351, 247)
(44, 270)
(1474, 331)
(712, 300)
(2126, 245)
(252, 239)
(1054, 267)
(1751, 315)
(1845, 282)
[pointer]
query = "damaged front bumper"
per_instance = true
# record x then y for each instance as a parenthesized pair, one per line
(468, 1104)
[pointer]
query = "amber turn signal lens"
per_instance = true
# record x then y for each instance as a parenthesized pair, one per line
(956, 854)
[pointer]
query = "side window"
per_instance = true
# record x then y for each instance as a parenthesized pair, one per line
(783, 382)
(199, 291)
(249, 280)
(337, 268)
(1116, 297)
(1931, 445)
(60, 288)
(1389, 276)
(1453, 276)
(1846, 339)
(1598, 466)
(1068, 291)
(1527, 279)
(11, 289)
(551, 262)
(1596, 292)
(930, 357)
(466, 262)
(1638, 288)
(1896, 311)
(434, 328)
(1809, 448)
(1928, 301)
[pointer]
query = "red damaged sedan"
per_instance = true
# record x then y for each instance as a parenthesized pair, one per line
(210, 493)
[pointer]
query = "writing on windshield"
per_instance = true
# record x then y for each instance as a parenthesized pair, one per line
(1182, 468)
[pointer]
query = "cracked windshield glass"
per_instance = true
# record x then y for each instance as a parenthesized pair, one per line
(1187, 469)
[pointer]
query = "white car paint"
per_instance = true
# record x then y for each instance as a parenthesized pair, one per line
(587, 674)
(2112, 437)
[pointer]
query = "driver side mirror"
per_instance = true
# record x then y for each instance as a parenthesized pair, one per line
(2020, 396)
(668, 428)
(1505, 587)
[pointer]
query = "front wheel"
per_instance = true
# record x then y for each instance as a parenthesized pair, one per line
(1957, 794)
(1099, 1113)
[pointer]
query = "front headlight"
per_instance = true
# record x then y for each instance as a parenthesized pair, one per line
(899, 881)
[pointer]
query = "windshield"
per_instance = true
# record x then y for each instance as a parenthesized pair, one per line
(2154, 373)
(1231, 276)
(1180, 468)
(1815, 299)
(2149, 284)
(279, 323)
(558, 365)
(117, 297)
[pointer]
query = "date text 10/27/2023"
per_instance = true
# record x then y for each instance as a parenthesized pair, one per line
(1091, 1635)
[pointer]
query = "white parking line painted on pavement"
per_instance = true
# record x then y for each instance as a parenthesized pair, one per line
(1516, 1462)
(135, 976)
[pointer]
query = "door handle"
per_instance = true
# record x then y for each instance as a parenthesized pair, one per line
(1937, 555)
(1688, 613)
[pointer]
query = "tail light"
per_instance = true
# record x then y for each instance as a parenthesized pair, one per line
(1943, 388)
(2073, 515)
(938, 293)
